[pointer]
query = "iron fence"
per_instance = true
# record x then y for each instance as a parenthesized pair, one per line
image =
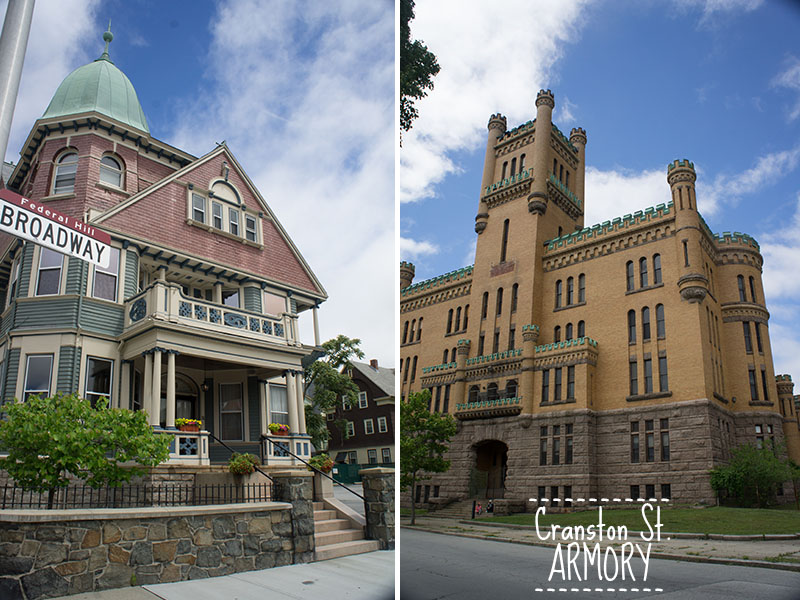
(135, 496)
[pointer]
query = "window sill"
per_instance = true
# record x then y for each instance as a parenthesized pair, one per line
(459, 332)
(58, 197)
(644, 289)
(650, 396)
(720, 398)
(410, 343)
(761, 403)
(223, 233)
(112, 188)
(567, 307)
(557, 402)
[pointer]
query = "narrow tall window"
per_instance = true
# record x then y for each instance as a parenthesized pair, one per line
(505, 170)
(546, 385)
(522, 163)
(629, 277)
(643, 272)
(405, 373)
(48, 281)
(414, 370)
(419, 329)
(216, 214)
(581, 288)
(570, 290)
(111, 171)
(446, 406)
(234, 221)
(481, 344)
(557, 333)
(581, 329)
(648, 376)
(685, 253)
(753, 289)
(570, 383)
(631, 326)
(450, 320)
(14, 277)
(758, 337)
(568, 444)
(504, 245)
(663, 379)
(660, 325)
(485, 305)
(764, 383)
(250, 228)
(633, 372)
(566, 179)
(445, 355)
(438, 401)
(66, 168)
(513, 167)
(458, 319)
(500, 301)
(98, 379)
(230, 411)
(650, 441)
(473, 394)
(558, 294)
(511, 333)
(405, 332)
(634, 446)
(466, 316)
(664, 430)
(514, 297)
(748, 344)
(568, 332)
(38, 372)
(198, 208)
(645, 323)
(496, 343)
(105, 278)
(742, 297)
(543, 449)
(656, 269)
(751, 374)
(556, 450)
(413, 330)
(557, 390)
(555, 167)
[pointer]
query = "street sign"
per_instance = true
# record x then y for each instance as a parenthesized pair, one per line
(42, 225)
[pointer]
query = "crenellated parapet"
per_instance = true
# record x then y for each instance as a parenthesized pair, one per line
(785, 385)
(499, 122)
(545, 98)
(407, 270)
(441, 280)
(681, 171)
(578, 136)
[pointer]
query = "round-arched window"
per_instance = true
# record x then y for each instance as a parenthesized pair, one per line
(111, 171)
(66, 167)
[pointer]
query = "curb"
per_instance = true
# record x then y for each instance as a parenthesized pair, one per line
(679, 557)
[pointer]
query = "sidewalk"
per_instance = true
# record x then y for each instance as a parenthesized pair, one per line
(361, 577)
(776, 554)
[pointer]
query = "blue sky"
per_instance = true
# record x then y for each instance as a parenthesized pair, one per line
(303, 94)
(714, 81)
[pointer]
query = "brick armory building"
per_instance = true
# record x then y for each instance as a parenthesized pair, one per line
(619, 360)
(195, 317)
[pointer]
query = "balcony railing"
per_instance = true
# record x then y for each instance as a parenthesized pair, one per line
(187, 448)
(165, 301)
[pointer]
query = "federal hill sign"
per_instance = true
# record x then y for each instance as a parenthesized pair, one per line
(42, 225)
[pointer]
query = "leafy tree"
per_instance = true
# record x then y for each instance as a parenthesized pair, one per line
(752, 476)
(418, 66)
(423, 439)
(327, 384)
(48, 439)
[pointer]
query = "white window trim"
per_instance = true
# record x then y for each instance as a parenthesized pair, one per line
(363, 402)
(237, 221)
(192, 197)
(383, 455)
(39, 269)
(221, 216)
(25, 389)
(121, 171)
(13, 282)
(241, 412)
(371, 426)
(351, 429)
(374, 452)
(104, 272)
(86, 391)
(56, 165)
(383, 425)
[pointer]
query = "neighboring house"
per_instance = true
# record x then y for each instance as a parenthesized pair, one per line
(196, 316)
(618, 360)
(368, 438)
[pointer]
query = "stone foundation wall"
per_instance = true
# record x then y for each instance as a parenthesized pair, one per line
(379, 505)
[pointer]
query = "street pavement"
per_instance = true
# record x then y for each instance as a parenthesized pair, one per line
(361, 577)
(444, 567)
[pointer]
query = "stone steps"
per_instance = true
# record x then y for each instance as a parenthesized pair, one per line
(335, 537)
(457, 510)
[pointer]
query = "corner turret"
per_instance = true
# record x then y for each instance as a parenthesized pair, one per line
(406, 274)
(497, 127)
(577, 137)
(693, 283)
(537, 199)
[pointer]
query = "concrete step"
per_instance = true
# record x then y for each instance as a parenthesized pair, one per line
(326, 538)
(319, 506)
(331, 525)
(345, 549)
(324, 515)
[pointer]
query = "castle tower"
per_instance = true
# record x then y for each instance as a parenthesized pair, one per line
(406, 274)
(577, 138)
(791, 425)
(537, 200)
(693, 284)
(497, 127)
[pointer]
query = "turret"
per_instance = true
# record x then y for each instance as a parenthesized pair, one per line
(577, 138)
(406, 274)
(497, 127)
(693, 284)
(537, 200)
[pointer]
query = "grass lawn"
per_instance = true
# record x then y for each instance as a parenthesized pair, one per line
(406, 512)
(717, 519)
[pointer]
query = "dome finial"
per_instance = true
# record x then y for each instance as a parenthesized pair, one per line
(107, 37)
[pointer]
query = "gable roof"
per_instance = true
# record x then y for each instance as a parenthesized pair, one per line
(382, 377)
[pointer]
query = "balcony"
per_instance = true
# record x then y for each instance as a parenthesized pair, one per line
(164, 301)
(484, 408)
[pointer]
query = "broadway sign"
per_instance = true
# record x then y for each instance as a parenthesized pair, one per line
(36, 222)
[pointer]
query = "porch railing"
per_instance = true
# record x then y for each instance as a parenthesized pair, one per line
(187, 448)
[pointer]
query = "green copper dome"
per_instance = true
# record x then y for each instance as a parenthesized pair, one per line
(99, 86)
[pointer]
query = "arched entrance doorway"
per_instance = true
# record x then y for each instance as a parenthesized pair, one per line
(186, 395)
(491, 464)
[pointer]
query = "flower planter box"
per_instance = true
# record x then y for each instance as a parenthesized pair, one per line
(189, 428)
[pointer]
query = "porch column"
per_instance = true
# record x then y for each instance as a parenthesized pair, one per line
(155, 414)
(301, 404)
(125, 385)
(148, 383)
(262, 398)
(291, 392)
(316, 324)
(171, 389)
(218, 292)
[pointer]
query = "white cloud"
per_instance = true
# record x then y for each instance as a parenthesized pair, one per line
(611, 194)
(305, 100)
(62, 35)
(714, 8)
(790, 78)
(410, 249)
(473, 83)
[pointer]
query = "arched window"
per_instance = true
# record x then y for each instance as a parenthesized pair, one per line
(499, 301)
(568, 332)
(643, 272)
(444, 356)
(522, 163)
(453, 355)
(111, 171)
(450, 320)
(505, 168)
(513, 167)
(504, 245)
(557, 334)
(645, 323)
(570, 290)
(581, 329)
(629, 275)
(413, 328)
(558, 294)
(66, 168)
(466, 315)
(458, 319)
(485, 305)
(419, 329)
(742, 297)
(491, 391)
(581, 288)
(473, 394)
(511, 388)
(753, 289)
(631, 326)
(656, 269)
(405, 332)
(514, 294)
(660, 325)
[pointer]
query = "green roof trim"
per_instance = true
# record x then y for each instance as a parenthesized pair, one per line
(436, 281)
